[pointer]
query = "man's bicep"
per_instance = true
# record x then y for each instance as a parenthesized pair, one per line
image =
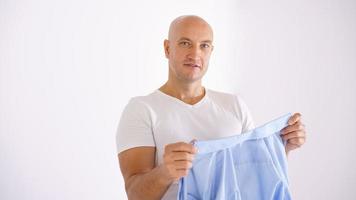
(136, 161)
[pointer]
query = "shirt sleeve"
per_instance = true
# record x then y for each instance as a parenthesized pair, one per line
(134, 127)
(246, 117)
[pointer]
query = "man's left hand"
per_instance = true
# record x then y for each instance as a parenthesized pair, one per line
(294, 133)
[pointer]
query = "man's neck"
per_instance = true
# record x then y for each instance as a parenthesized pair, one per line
(188, 93)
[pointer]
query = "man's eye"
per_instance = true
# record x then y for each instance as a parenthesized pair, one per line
(205, 45)
(184, 43)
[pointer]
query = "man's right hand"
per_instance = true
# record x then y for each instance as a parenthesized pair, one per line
(178, 159)
(145, 181)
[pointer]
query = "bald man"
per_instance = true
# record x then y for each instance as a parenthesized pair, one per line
(154, 133)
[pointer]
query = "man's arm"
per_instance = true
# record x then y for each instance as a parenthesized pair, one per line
(142, 179)
(145, 181)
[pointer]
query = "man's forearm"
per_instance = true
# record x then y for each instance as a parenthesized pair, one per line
(149, 185)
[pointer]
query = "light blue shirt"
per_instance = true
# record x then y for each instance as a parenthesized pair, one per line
(249, 166)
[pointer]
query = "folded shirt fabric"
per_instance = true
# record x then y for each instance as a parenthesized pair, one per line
(249, 166)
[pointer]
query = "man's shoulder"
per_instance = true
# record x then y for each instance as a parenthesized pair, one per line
(143, 99)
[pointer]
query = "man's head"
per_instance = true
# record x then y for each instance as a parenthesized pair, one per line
(188, 48)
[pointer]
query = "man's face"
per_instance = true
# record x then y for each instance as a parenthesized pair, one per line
(188, 50)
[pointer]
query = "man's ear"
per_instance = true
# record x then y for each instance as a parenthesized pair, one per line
(166, 48)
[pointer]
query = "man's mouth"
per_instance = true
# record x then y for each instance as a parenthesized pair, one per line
(192, 65)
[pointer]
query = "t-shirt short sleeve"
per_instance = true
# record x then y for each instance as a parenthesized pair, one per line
(246, 117)
(134, 127)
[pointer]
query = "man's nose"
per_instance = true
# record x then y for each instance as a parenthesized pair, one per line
(194, 52)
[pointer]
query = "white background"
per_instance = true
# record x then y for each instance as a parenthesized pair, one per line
(67, 69)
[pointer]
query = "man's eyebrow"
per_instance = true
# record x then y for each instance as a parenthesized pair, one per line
(207, 41)
(204, 41)
(184, 38)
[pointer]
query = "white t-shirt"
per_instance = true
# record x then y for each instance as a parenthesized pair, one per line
(159, 119)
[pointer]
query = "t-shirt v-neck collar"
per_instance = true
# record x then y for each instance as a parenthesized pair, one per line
(198, 104)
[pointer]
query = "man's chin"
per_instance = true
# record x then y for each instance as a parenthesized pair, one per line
(192, 78)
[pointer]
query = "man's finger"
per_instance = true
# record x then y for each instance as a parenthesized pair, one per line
(183, 156)
(297, 141)
(294, 134)
(295, 127)
(296, 117)
(182, 146)
(183, 165)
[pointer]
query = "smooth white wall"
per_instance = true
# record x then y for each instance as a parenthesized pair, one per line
(67, 69)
